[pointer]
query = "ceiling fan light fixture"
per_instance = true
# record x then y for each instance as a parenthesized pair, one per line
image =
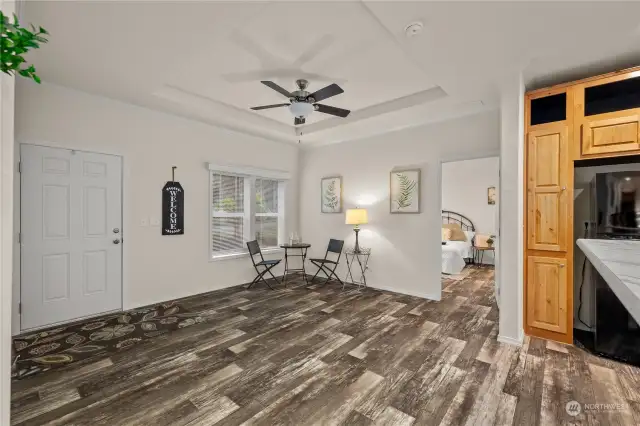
(301, 109)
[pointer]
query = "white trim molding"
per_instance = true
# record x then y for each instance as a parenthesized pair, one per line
(510, 340)
(7, 108)
(249, 171)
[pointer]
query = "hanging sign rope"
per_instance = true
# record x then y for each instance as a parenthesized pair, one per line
(172, 207)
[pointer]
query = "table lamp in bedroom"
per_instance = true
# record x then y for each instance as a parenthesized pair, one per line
(356, 217)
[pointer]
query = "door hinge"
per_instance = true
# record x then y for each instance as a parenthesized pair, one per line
(20, 308)
(19, 166)
(19, 237)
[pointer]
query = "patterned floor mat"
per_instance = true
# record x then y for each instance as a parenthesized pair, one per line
(95, 338)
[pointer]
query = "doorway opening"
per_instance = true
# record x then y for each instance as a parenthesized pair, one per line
(470, 220)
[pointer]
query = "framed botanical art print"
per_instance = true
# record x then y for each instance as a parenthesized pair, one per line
(491, 195)
(404, 191)
(331, 194)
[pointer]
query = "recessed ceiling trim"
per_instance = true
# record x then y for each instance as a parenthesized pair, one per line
(423, 97)
(227, 115)
(419, 115)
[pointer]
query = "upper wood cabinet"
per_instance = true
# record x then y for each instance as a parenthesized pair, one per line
(546, 299)
(616, 132)
(607, 117)
(548, 196)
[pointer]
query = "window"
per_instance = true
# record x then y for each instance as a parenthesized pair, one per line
(245, 207)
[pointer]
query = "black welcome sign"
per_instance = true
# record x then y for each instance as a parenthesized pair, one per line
(172, 209)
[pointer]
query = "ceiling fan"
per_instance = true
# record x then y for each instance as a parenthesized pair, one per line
(303, 103)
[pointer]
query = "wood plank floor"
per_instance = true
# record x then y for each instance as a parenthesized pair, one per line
(325, 357)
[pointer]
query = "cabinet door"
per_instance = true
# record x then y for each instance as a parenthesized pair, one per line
(548, 197)
(611, 133)
(547, 293)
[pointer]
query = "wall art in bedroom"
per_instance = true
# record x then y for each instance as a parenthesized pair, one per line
(331, 194)
(404, 191)
(491, 195)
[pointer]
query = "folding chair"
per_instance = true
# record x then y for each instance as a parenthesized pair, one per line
(254, 248)
(324, 265)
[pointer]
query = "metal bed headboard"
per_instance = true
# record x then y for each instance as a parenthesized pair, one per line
(453, 217)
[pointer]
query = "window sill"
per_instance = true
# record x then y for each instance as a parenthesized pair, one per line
(244, 254)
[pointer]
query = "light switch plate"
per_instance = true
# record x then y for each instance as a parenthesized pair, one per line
(155, 221)
(144, 222)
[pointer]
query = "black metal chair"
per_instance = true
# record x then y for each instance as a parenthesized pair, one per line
(324, 265)
(254, 249)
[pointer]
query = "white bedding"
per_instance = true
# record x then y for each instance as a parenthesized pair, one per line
(464, 247)
(453, 255)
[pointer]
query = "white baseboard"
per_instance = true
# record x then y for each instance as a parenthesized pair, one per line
(510, 340)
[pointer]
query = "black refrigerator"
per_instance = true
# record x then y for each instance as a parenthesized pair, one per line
(615, 214)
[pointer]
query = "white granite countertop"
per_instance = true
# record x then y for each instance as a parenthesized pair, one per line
(618, 262)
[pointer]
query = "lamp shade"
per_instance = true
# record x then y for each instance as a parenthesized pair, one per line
(356, 217)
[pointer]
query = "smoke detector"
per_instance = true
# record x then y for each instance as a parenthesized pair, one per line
(413, 29)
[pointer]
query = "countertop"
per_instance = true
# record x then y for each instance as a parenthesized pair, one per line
(618, 262)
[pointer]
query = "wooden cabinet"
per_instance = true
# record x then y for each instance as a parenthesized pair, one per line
(598, 117)
(612, 133)
(548, 302)
(548, 188)
(546, 298)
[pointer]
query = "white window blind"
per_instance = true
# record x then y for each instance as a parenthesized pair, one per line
(227, 222)
(267, 217)
(243, 208)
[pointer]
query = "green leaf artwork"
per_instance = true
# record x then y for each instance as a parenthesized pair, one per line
(15, 42)
(331, 199)
(404, 198)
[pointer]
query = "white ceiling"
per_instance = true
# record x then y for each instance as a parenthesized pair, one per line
(204, 60)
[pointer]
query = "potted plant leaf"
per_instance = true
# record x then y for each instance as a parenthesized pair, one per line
(491, 240)
(15, 42)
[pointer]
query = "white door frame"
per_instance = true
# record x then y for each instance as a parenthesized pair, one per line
(7, 86)
(464, 157)
(16, 328)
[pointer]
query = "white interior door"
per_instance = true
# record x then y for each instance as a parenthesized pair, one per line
(71, 235)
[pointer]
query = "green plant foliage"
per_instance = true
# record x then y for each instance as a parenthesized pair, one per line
(227, 205)
(405, 197)
(15, 42)
(331, 199)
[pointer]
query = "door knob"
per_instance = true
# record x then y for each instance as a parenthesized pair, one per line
(116, 241)
(116, 230)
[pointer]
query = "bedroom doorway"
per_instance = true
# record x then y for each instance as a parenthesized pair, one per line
(470, 220)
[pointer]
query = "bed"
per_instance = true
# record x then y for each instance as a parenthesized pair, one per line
(457, 254)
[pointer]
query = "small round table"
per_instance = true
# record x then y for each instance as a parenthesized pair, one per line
(303, 254)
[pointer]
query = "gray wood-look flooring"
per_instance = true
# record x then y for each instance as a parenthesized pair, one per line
(322, 356)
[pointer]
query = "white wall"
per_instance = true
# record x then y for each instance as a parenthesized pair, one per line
(6, 229)
(464, 191)
(581, 214)
(156, 267)
(406, 249)
(510, 248)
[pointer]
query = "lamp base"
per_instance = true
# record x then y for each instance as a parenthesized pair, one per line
(356, 249)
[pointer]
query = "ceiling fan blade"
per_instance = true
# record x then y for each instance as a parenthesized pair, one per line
(268, 106)
(252, 47)
(277, 88)
(326, 92)
(339, 112)
(298, 120)
(314, 50)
